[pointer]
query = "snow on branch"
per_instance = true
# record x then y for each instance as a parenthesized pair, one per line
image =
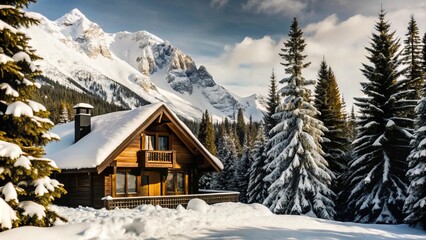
(32, 209)
(9, 90)
(7, 215)
(9, 150)
(18, 108)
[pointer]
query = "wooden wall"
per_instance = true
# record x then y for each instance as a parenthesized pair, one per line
(83, 188)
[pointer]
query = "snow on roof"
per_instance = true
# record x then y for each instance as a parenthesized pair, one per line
(83, 105)
(108, 132)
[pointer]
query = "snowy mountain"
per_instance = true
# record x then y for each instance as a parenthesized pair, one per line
(131, 69)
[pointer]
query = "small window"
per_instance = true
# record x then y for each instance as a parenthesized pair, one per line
(125, 183)
(120, 183)
(175, 183)
(163, 143)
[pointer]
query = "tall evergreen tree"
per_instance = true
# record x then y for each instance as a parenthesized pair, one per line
(206, 133)
(351, 129)
(272, 104)
(257, 190)
(415, 203)
(26, 191)
(376, 183)
(298, 172)
(412, 58)
(241, 128)
(242, 172)
(227, 153)
(328, 103)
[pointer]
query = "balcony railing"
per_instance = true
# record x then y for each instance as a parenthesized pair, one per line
(158, 159)
(171, 201)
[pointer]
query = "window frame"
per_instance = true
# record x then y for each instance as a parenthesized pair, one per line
(157, 137)
(126, 193)
(175, 183)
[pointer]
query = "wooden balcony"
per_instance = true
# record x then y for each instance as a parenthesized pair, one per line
(171, 201)
(157, 159)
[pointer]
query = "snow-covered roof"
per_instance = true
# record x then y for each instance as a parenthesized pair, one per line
(108, 132)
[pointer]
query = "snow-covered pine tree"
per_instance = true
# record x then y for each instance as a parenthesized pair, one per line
(242, 172)
(26, 191)
(412, 59)
(227, 153)
(272, 104)
(257, 190)
(415, 203)
(298, 173)
(351, 128)
(328, 103)
(63, 117)
(376, 182)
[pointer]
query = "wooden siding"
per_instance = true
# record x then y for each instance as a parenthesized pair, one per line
(129, 154)
(86, 189)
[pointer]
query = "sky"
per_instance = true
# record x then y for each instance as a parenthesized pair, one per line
(239, 40)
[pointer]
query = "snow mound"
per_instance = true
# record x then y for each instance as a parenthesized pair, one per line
(198, 205)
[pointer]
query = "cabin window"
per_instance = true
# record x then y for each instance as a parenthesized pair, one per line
(125, 183)
(163, 143)
(175, 183)
(149, 142)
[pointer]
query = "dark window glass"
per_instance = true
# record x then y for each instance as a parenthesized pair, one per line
(163, 143)
(145, 180)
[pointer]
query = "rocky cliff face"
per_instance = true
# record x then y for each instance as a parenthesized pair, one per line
(130, 68)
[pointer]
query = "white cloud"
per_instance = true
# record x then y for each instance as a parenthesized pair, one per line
(287, 7)
(245, 67)
(218, 3)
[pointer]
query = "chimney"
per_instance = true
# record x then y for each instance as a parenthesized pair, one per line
(82, 120)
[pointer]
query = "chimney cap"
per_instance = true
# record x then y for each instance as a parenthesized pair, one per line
(83, 105)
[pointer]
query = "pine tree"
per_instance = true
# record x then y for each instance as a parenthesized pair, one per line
(206, 133)
(26, 191)
(243, 174)
(411, 57)
(63, 117)
(328, 103)
(415, 203)
(272, 104)
(227, 153)
(241, 128)
(206, 136)
(351, 129)
(257, 190)
(298, 172)
(376, 183)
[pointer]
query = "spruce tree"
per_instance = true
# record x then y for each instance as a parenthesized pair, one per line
(298, 173)
(272, 104)
(257, 190)
(241, 128)
(26, 191)
(242, 172)
(328, 103)
(415, 203)
(351, 128)
(206, 133)
(227, 153)
(412, 59)
(376, 182)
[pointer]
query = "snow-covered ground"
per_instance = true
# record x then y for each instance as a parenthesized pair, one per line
(201, 221)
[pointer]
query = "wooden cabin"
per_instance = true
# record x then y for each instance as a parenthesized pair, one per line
(124, 159)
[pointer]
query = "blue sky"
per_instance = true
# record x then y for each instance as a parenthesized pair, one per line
(239, 40)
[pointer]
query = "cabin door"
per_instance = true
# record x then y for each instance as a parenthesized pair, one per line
(151, 183)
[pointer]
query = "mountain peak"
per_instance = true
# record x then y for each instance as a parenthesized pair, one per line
(72, 17)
